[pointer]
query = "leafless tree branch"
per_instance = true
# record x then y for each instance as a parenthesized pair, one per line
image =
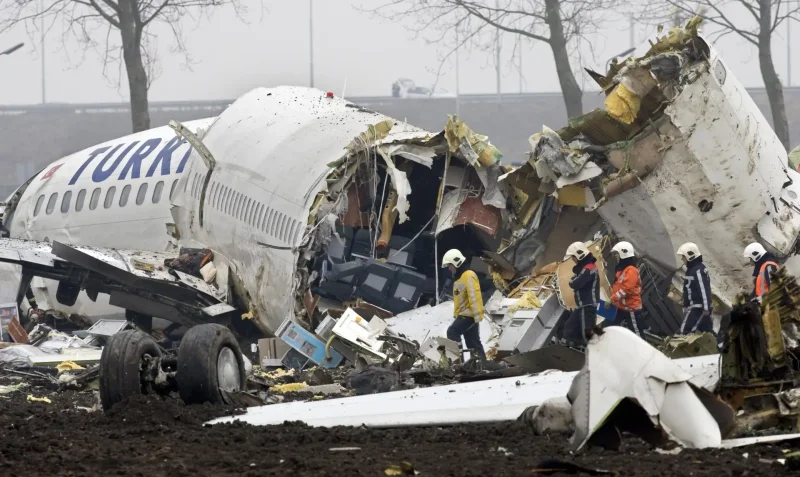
(92, 24)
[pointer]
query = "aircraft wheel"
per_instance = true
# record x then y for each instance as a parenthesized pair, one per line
(125, 363)
(210, 364)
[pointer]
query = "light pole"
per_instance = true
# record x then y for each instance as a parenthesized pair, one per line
(41, 25)
(12, 49)
(311, 41)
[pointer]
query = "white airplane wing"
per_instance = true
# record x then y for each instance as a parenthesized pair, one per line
(135, 280)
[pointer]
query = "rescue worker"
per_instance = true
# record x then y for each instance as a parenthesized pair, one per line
(586, 284)
(467, 304)
(764, 266)
(626, 293)
(696, 292)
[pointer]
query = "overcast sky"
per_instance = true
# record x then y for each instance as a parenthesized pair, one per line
(350, 48)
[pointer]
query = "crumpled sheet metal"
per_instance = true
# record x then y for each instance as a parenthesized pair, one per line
(374, 134)
(401, 185)
(419, 154)
(553, 158)
(475, 148)
(621, 365)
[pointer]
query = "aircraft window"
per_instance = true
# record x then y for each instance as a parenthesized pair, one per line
(267, 213)
(110, 197)
(194, 184)
(51, 203)
(79, 200)
(273, 224)
(278, 224)
(237, 210)
(95, 199)
(297, 234)
(201, 179)
(269, 220)
(284, 228)
(141, 194)
(293, 233)
(123, 197)
(211, 195)
(172, 189)
(157, 192)
(38, 207)
(65, 201)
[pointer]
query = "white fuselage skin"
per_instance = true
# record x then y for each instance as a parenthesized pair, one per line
(272, 150)
(114, 195)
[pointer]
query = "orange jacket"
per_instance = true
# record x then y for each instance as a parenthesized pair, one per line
(626, 293)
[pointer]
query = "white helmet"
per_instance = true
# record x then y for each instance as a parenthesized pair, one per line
(577, 250)
(624, 249)
(689, 251)
(453, 257)
(754, 251)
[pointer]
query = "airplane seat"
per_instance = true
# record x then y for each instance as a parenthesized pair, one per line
(378, 279)
(406, 291)
(362, 244)
(340, 281)
(404, 257)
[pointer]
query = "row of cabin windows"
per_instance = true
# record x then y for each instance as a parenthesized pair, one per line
(250, 211)
(108, 201)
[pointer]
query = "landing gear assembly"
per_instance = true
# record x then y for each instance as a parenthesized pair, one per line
(207, 367)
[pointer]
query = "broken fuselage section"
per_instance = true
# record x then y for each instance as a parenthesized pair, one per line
(680, 153)
(300, 194)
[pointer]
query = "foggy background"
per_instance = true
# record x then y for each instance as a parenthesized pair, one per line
(354, 53)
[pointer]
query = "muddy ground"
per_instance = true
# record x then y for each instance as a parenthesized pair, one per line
(154, 437)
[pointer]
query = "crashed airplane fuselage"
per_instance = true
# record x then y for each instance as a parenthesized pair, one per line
(680, 153)
(294, 189)
(115, 194)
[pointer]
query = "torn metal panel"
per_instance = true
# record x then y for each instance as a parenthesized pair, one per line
(496, 400)
(620, 365)
(492, 194)
(432, 321)
(475, 148)
(419, 154)
(589, 171)
(459, 208)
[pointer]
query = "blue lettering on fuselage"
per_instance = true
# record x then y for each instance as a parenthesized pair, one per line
(135, 153)
(164, 157)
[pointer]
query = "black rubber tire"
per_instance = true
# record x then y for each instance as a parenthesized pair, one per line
(119, 366)
(197, 364)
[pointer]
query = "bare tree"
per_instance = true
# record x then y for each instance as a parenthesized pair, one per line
(562, 24)
(92, 23)
(760, 20)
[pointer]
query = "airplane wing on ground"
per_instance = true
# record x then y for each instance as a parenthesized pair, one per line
(135, 280)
